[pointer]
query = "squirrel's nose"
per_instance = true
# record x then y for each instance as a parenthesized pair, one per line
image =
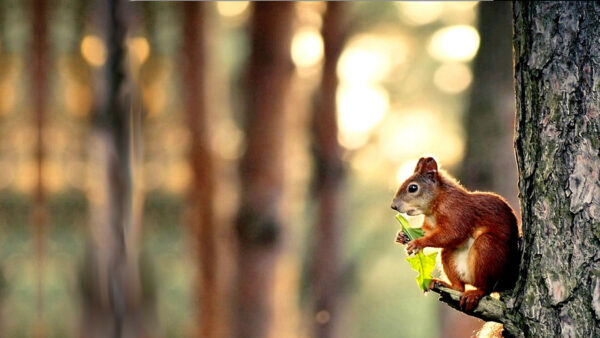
(395, 207)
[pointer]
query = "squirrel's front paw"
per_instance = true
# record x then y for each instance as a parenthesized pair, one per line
(402, 238)
(413, 247)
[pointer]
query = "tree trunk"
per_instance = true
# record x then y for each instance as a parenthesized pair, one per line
(557, 67)
(489, 163)
(111, 277)
(258, 223)
(39, 90)
(328, 180)
(202, 189)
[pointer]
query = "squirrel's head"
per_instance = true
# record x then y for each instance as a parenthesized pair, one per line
(415, 195)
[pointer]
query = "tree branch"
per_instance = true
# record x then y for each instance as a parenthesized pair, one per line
(488, 309)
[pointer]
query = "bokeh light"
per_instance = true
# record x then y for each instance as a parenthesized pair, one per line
(307, 47)
(405, 170)
(139, 48)
(360, 109)
(452, 78)
(93, 50)
(420, 13)
(78, 98)
(454, 43)
(461, 5)
(232, 8)
(414, 132)
(366, 60)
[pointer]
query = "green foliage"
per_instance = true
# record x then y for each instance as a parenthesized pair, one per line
(422, 263)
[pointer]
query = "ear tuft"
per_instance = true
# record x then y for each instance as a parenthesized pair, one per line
(431, 175)
(419, 165)
(426, 164)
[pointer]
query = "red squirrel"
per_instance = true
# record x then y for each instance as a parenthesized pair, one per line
(477, 231)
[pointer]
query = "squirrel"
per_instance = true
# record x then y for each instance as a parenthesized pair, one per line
(477, 231)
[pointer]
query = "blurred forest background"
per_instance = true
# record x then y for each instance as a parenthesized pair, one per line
(226, 168)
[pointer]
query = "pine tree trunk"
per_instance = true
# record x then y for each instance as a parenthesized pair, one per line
(259, 223)
(328, 180)
(202, 190)
(557, 78)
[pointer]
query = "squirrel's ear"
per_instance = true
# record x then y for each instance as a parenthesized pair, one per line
(431, 175)
(419, 165)
(427, 164)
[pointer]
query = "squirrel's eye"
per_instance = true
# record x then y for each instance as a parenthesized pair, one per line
(413, 188)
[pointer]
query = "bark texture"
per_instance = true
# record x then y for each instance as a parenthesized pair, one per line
(258, 223)
(202, 190)
(328, 180)
(557, 78)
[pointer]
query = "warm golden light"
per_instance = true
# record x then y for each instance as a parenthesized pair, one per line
(307, 47)
(420, 13)
(178, 177)
(139, 49)
(365, 60)
(7, 97)
(360, 109)
(78, 98)
(405, 170)
(93, 50)
(412, 133)
(461, 5)
(368, 161)
(457, 43)
(154, 98)
(54, 175)
(453, 78)
(25, 175)
(232, 8)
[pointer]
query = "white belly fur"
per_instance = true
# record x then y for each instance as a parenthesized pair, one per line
(461, 261)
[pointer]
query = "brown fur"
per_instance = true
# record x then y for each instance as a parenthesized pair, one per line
(458, 216)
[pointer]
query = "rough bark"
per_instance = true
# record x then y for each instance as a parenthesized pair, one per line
(489, 163)
(258, 223)
(202, 188)
(557, 78)
(557, 62)
(328, 180)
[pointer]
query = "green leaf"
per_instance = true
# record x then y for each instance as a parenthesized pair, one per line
(423, 264)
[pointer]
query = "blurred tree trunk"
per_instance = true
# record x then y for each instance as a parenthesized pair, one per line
(39, 90)
(557, 62)
(328, 180)
(489, 163)
(202, 189)
(259, 223)
(111, 275)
